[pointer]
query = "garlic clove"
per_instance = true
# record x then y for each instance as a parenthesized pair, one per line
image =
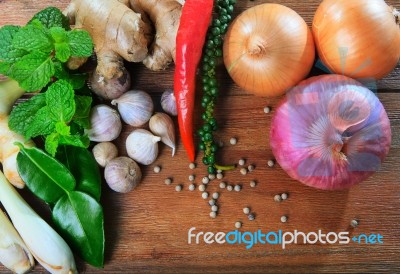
(104, 152)
(135, 107)
(168, 102)
(142, 146)
(162, 125)
(122, 174)
(105, 124)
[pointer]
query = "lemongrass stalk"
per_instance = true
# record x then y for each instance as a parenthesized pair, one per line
(10, 91)
(48, 248)
(13, 252)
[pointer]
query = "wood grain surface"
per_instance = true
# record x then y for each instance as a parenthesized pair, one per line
(147, 229)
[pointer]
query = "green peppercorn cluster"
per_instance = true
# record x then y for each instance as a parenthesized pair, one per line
(211, 52)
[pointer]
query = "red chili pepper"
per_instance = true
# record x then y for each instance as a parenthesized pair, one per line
(190, 39)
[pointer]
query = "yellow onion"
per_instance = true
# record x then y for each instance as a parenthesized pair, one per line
(267, 49)
(357, 38)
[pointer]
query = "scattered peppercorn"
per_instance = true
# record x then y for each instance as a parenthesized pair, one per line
(191, 178)
(211, 176)
(202, 187)
(277, 198)
(246, 210)
(251, 217)
(241, 162)
(211, 202)
(220, 176)
(214, 208)
(243, 171)
(238, 224)
(284, 196)
(157, 169)
(213, 214)
(354, 223)
(205, 180)
(271, 163)
(168, 181)
(215, 195)
(233, 141)
(267, 110)
(192, 187)
(238, 188)
(178, 188)
(253, 183)
(192, 165)
(250, 168)
(229, 187)
(284, 219)
(222, 185)
(204, 195)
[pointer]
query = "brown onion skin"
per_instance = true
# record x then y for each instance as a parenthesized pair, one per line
(357, 38)
(268, 49)
(309, 150)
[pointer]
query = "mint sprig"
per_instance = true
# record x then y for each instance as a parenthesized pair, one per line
(29, 54)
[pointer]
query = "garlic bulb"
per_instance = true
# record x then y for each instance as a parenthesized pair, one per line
(104, 152)
(142, 146)
(168, 102)
(135, 107)
(105, 124)
(122, 174)
(162, 125)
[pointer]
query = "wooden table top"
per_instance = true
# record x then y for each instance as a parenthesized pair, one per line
(147, 229)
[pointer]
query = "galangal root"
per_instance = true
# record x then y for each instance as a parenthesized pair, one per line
(123, 30)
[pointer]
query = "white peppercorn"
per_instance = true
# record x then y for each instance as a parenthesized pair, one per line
(233, 141)
(250, 168)
(246, 210)
(211, 176)
(215, 195)
(168, 181)
(241, 162)
(237, 188)
(271, 163)
(204, 195)
(267, 110)
(205, 180)
(220, 176)
(243, 171)
(214, 208)
(253, 183)
(213, 214)
(222, 185)
(354, 223)
(178, 188)
(192, 187)
(211, 202)
(238, 224)
(284, 219)
(157, 169)
(284, 196)
(277, 198)
(202, 187)
(229, 187)
(251, 217)
(191, 178)
(192, 165)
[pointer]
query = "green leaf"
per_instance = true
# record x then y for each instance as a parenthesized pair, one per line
(80, 220)
(8, 53)
(52, 17)
(81, 43)
(51, 143)
(33, 37)
(59, 35)
(33, 71)
(23, 114)
(40, 124)
(77, 80)
(46, 177)
(84, 167)
(63, 129)
(75, 140)
(82, 114)
(60, 101)
(5, 67)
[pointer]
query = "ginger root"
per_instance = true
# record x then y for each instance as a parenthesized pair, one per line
(164, 15)
(118, 33)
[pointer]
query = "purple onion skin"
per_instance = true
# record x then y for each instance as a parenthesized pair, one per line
(330, 132)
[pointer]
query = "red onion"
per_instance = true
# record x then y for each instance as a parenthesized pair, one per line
(330, 132)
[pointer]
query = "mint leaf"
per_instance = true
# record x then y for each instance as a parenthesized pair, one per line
(60, 100)
(33, 37)
(7, 51)
(80, 43)
(23, 114)
(77, 80)
(74, 140)
(63, 129)
(51, 17)
(59, 35)
(51, 143)
(33, 71)
(82, 114)
(40, 124)
(5, 68)
(63, 52)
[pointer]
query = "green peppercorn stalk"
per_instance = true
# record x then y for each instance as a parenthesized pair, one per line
(211, 52)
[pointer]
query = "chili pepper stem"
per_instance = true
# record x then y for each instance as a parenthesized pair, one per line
(225, 168)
